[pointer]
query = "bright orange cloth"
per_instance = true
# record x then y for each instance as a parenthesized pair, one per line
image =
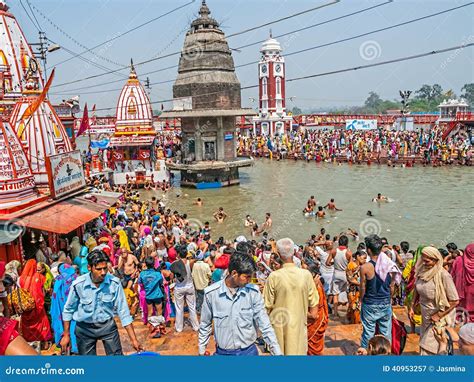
(317, 328)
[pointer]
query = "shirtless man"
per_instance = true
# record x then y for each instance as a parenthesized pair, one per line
(128, 264)
(321, 235)
(154, 203)
(332, 206)
(308, 209)
(267, 224)
(220, 215)
(380, 198)
(160, 245)
(311, 201)
(198, 202)
(249, 222)
(320, 214)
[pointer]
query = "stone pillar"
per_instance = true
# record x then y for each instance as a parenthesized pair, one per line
(220, 139)
(197, 140)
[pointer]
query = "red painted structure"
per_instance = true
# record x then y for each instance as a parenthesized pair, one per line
(461, 118)
(339, 120)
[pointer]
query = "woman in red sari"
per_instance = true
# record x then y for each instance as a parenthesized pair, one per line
(462, 272)
(34, 324)
(317, 328)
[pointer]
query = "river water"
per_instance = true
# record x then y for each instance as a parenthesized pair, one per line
(428, 205)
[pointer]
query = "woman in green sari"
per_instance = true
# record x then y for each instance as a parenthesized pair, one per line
(47, 286)
(409, 278)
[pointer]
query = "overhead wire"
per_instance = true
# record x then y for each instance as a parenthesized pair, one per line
(360, 67)
(75, 41)
(127, 32)
(241, 47)
(177, 53)
(302, 50)
(38, 27)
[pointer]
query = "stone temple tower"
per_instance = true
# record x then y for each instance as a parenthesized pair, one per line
(207, 99)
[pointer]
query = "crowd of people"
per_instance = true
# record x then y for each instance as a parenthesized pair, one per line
(425, 147)
(141, 260)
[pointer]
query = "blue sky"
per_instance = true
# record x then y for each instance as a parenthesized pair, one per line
(90, 22)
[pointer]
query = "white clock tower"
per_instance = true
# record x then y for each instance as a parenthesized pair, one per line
(272, 118)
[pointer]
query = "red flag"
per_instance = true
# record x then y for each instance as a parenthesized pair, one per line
(84, 123)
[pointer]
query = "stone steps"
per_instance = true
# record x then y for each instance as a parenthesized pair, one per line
(340, 339)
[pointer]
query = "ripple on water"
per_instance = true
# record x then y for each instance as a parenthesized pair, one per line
(430, 201)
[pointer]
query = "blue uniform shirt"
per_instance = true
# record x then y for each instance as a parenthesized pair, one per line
(88, 303)
(236, 318)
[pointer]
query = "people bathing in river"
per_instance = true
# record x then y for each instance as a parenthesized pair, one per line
(332, 206)
(308, 210)
(312, 201)
(425, 146)
(267, 224)
(380, 198)
(198, 202)
(320, 214)
(156, 236)
(220, 215)
(249, 222)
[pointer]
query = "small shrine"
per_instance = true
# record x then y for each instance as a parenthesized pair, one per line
(207, 99)
(132, 150)
(449, 109)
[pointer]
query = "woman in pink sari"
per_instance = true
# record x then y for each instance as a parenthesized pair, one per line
(462, 272)
(34, 324)
(167, 277)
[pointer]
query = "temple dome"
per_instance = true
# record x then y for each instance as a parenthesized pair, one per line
(206, 72)
(134, 112)
(16, 180)
(17, 61)
(41, 135)
(271, 45)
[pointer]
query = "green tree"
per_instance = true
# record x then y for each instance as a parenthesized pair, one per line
(296, 111)
(373, 102)
(468, 94)
(436, 93)
(424, 93)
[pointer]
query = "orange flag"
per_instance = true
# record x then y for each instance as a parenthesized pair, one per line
(37, 102)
